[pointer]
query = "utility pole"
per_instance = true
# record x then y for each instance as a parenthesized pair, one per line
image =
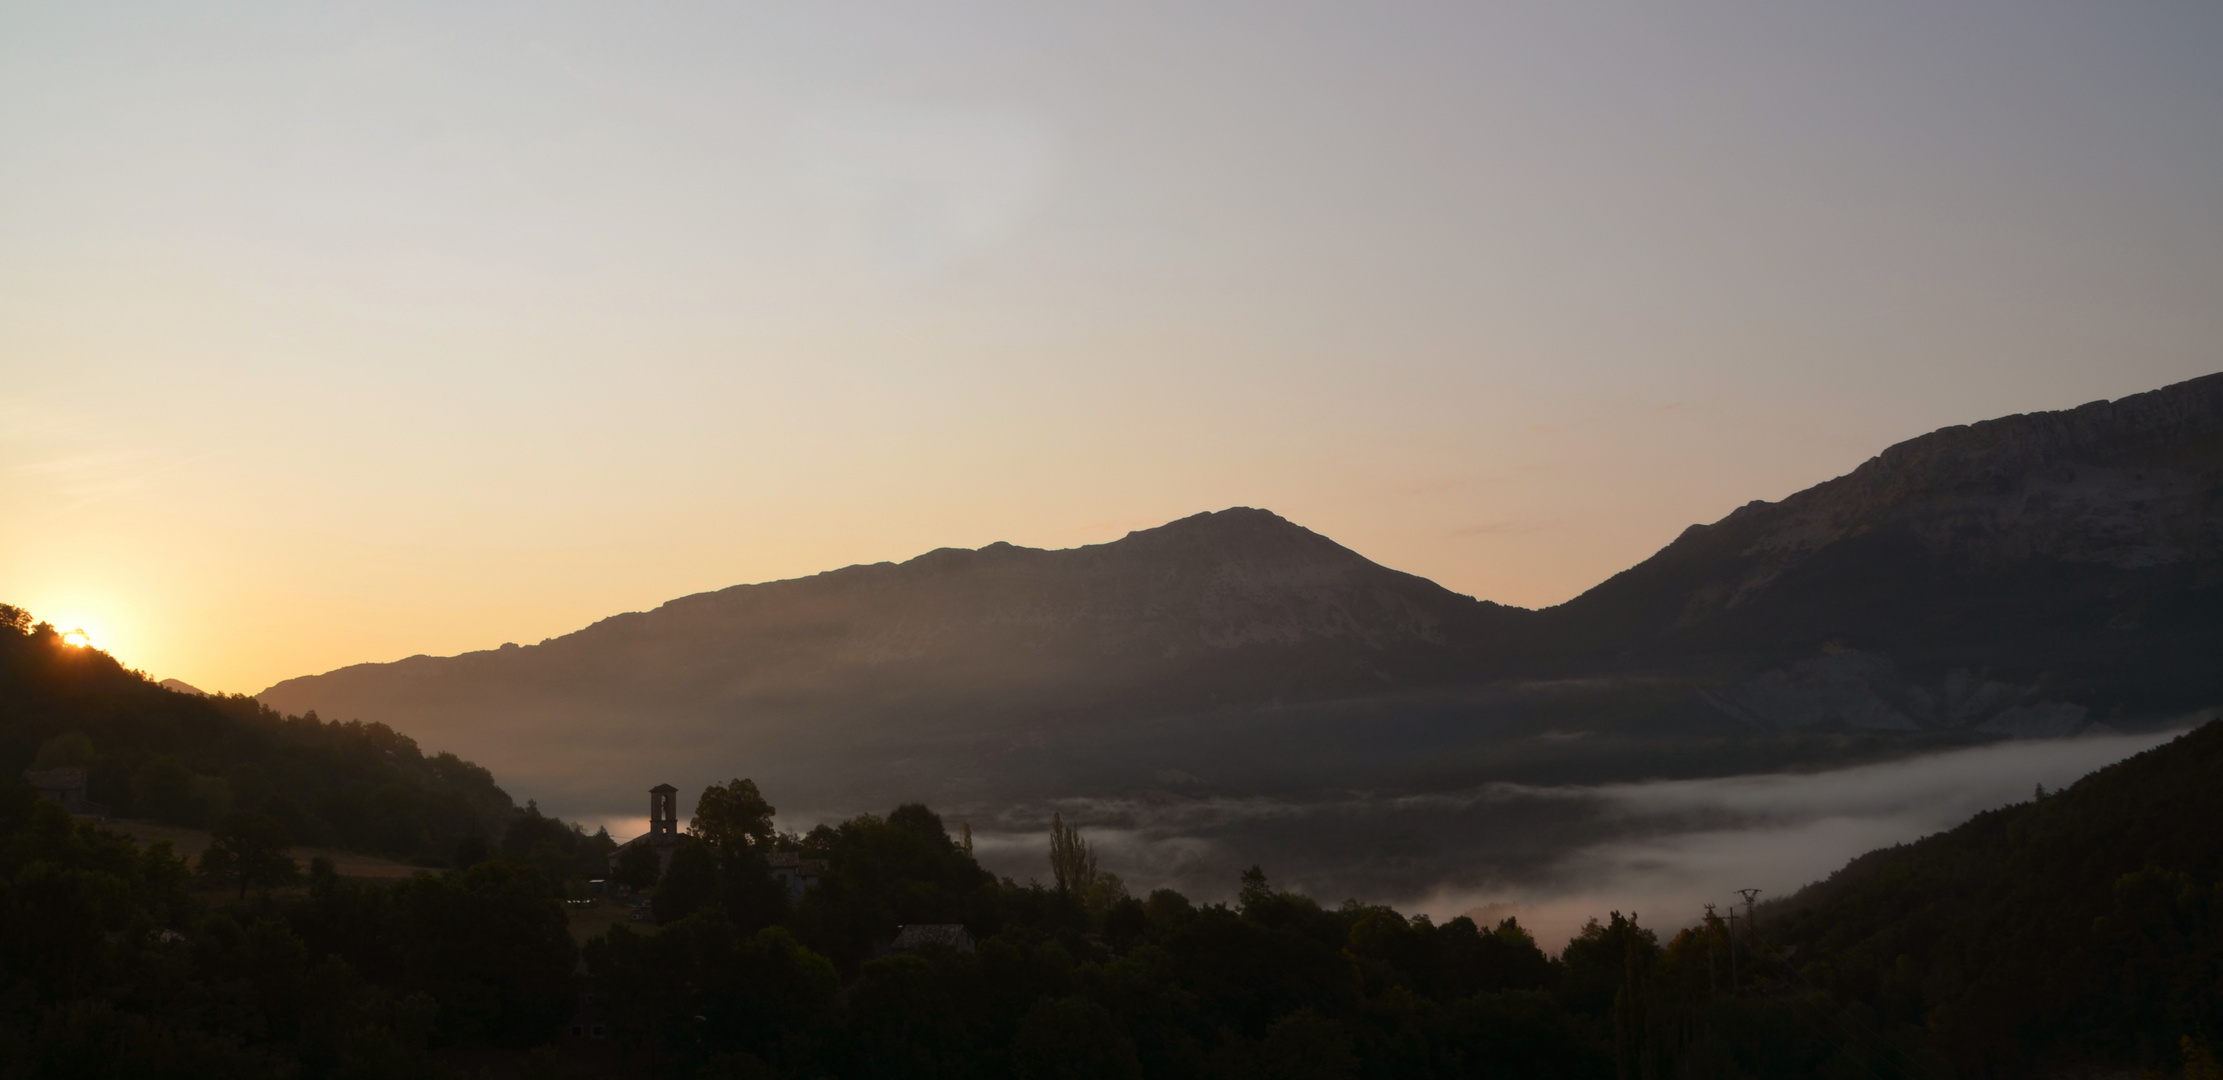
(1732, 948)
(1751, 925)
(1713, 982)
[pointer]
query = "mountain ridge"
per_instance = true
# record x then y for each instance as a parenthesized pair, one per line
(2031, 575)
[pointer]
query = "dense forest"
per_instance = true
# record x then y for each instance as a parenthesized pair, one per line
(2077, 929)
(2084, 926)
(182, 759)
(136, 973)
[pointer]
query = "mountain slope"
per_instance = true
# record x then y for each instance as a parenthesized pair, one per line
(2077, 553)
(2033, 575)
(185, 759)
(2085, 926)
(1216, 611)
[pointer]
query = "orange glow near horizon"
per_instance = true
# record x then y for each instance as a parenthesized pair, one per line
(332, 335)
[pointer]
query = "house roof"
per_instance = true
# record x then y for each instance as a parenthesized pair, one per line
(913, 935)
(651, 840)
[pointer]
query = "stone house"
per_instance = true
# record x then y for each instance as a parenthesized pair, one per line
(795, 873)
(65, 786)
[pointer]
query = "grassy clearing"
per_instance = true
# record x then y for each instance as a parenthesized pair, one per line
(191, 842)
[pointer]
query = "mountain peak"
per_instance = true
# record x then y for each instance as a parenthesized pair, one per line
(1233, 520)
(1239, 532)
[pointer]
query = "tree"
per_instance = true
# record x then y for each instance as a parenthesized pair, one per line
(70, 749)
(1255, 893)
(251, 847)
(1073, 1039)
(690, 882)
(162, 789)
(471, 849)
(1072, 859)
(492, 946)
(1306, 1046)
(638, 867)
(733, 816)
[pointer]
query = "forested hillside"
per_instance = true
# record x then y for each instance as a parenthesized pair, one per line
(113, 966)
(2085, 926)
(136, 974)
(189, 760)
(2006, 948)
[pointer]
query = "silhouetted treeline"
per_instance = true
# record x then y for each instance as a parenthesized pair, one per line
(112, 966)
(1084, 981)
(2082, 927)
(176, 758)
(131, 972)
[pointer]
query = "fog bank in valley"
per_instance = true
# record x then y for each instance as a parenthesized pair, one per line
(1551, 856)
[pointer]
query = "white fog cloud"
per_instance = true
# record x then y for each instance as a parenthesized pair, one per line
(1694, 842)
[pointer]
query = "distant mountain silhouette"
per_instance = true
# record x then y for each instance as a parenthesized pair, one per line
(2032, 575)
(2081, 550)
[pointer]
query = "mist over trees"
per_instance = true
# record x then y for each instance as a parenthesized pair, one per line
(337, 978)
(2080, 928)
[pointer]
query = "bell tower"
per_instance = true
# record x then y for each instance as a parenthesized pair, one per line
(663, 813)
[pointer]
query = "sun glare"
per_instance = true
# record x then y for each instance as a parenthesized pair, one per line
(77, 638)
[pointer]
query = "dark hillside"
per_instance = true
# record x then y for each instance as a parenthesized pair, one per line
(2081, 548)
(2028, 577)
(2084, 926)
(185, 759)
(955, 653)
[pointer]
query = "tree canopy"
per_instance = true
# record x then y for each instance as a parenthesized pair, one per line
(183, 759)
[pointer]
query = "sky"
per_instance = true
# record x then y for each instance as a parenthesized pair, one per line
(341, 332)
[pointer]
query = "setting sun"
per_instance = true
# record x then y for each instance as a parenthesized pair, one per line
(81, 627)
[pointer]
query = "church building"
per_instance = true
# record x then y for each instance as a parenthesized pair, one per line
(663, 828)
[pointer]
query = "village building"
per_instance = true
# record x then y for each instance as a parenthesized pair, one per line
(795, 873)
(65, 786)
(663, 829)
(914, 935)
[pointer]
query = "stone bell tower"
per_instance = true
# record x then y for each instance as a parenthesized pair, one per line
(663, 815)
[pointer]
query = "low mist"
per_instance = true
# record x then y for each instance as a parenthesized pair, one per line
(1551, 856)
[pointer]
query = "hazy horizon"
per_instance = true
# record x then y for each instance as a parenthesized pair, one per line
(343, 334)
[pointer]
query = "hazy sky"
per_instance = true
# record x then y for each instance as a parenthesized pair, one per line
(339, 332)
